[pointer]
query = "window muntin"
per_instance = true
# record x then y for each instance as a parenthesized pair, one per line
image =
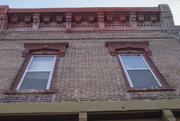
(38, 73)
(138, 72)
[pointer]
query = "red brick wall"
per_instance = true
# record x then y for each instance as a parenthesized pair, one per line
(88, 72)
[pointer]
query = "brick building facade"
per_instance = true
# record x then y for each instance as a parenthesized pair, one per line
(89, 80)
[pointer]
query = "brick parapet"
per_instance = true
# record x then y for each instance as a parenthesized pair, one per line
(167, 21)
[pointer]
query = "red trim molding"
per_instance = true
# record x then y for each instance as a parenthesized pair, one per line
(128, 47)
(45, 48)
(31, 49)
(140, 47)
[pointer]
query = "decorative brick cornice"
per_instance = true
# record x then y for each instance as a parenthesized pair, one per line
(4, 9)
(3, 17)
(85, 19)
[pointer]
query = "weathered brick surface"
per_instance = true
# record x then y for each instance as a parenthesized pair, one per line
(83, 35)
(88, 72)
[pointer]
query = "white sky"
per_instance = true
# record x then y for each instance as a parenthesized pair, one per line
(174, 4)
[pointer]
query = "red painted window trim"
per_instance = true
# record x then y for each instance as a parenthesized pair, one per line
(31, 49)
(140, 47)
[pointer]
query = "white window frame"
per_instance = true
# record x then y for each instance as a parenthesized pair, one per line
(50, 75)
(126, 69)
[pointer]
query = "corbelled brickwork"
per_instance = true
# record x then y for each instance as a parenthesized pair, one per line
(88, 72)
(86, 19)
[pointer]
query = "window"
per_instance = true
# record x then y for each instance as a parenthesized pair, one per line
(37, 74)
(138, 70)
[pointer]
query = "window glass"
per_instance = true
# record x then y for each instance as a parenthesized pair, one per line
(133, 61)
(35, 80)
(41, 63)
(142, 78)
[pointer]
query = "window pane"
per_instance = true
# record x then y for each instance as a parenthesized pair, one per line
(41, 63)
(142, 78)
(133, 61)
(35, 80)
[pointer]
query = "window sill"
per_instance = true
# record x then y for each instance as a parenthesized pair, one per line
(29, 91)
(132, 89)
